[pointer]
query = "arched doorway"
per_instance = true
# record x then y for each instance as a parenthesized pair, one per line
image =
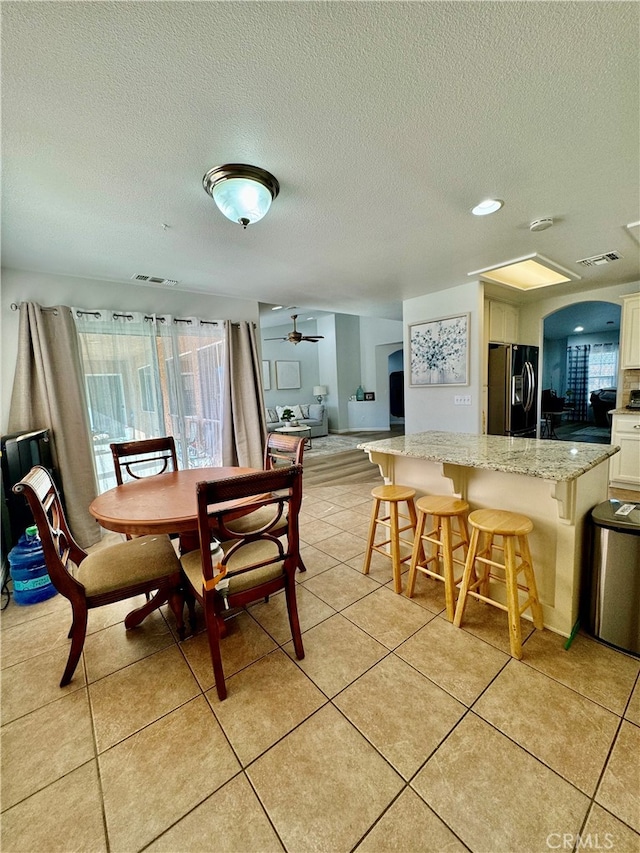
(580, 370)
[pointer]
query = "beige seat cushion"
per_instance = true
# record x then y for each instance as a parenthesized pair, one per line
(250, 553)
(136, 561)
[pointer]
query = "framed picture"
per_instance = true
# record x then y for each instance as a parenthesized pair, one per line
(369, 395)
(287, 374)
(266, 376)
(439, 351)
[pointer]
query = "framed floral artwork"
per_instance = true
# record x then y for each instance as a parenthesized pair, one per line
(439, 351)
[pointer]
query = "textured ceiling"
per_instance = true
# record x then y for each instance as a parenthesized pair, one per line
(383, 122)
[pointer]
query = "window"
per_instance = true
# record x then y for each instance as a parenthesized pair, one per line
(603, 366)
(148, 376)
(147, 397)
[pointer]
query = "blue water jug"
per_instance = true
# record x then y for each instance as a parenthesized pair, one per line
(31, 581)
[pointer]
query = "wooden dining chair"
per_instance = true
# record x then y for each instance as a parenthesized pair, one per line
(254, 564)
(279, 450)
(109, 574)
(144, 458)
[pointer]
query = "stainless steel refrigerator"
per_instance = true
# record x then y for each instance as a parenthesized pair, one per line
(513, 390)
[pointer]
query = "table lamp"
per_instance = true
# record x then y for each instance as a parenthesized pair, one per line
(320, 391)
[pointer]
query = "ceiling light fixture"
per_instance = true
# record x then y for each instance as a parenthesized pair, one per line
(489, 205)
(579, 329)
(527, 273)
(243, 193)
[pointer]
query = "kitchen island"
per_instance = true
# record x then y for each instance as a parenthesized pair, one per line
(554, 483)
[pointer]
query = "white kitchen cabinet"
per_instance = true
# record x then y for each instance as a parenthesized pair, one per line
(630, 340)
(624, 467)
(503, 323)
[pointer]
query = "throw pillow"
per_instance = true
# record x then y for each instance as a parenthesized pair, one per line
(295, 409)
(305, 410)
(272, 416)
(316, 411)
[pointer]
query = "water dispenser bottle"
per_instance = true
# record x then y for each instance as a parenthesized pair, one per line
(31, 581)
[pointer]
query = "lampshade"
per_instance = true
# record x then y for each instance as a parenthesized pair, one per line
(320, 391)
(243, 193)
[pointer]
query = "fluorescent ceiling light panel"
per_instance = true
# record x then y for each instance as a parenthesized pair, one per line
(634, 229)
(527, 273)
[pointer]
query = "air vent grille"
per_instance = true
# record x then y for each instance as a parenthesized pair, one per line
(154, 279)
(599, 260)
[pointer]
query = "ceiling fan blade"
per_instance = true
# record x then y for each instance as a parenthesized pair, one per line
(313, 338)
(276, 339)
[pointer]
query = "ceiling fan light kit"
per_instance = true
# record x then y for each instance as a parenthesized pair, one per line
(243, 193)
(294, 337)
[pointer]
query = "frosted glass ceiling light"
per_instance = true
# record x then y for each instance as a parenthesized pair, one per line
(243, 193)
(490, 205)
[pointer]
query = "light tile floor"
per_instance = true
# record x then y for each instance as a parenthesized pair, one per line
(396, 732)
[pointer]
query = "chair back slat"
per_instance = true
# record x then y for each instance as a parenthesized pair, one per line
(135, 458)
(58, 545)
(280, 488)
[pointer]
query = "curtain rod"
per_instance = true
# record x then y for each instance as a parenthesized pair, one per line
(98, 315)
(15, 307)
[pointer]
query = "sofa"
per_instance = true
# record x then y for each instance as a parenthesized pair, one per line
(312, 415)
(602, 402)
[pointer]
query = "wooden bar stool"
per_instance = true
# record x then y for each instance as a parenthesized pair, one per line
(513, 528)
(393, 495)
(442, 510)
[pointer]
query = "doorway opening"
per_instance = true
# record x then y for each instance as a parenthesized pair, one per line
(580, 371)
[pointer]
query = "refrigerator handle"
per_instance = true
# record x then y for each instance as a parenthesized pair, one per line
(531, 386)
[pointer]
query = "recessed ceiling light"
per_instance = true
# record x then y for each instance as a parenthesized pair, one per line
(489, 205)
(526, 273)
(579, 329)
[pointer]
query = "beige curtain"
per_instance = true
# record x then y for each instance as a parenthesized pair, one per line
(244, 428)
(48, 392)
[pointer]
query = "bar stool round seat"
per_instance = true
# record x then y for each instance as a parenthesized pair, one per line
(441, 538)
(513, 528)
(392, 546)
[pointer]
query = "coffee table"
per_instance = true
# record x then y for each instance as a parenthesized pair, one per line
(298, 430)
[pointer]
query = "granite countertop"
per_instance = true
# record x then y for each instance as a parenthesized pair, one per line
(549, 460)
(624, 411)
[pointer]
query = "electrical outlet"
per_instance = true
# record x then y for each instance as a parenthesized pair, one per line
(462, 400)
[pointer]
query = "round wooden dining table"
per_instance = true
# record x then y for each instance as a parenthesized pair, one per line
(161, 503)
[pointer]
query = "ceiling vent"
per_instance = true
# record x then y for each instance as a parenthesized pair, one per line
(599, 260)
(153, 279)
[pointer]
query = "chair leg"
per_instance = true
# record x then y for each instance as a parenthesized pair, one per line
(447, 567)
(301, 565)
(530, 577)
(211, 620)
(176, 603)
(513, 602)
(78, 633)
(466, 577)
(395, 548)
(294, 621)
(372, 535)
(415, 554)
(190, 598)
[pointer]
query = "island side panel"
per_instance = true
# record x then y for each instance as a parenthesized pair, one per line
(557, 542)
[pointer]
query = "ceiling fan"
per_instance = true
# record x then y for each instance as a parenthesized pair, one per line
(295, 336)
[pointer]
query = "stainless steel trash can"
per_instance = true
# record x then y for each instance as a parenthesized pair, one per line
(614, 575)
